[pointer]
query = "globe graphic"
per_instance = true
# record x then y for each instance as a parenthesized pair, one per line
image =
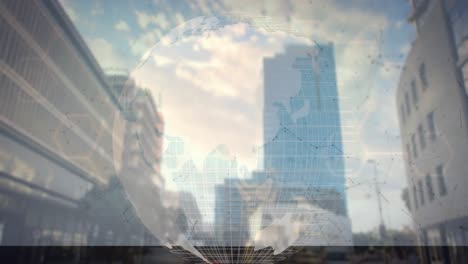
(202, 178)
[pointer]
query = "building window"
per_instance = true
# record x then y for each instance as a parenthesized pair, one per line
(465, 75)
(422, 140)
(408, 153)
(431, 126)
(402, 110)
(415, 150)
(441, 180)
(430, 189)
(414, 93)
(421, 192)
(415, 197)
(407, 102)
(423, 76)
(406, 198)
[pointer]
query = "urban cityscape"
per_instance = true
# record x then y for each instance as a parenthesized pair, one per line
(233, 132)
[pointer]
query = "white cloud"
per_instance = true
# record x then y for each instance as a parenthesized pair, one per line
(105, 53)
(122, 26)
(144, 20)
(144, 42)
(211, 92)
(162, 60)
(179, 19)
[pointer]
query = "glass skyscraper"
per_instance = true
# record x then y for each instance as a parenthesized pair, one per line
(303, 150)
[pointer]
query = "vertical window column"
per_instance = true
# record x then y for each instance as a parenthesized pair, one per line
(413, 142)
(407, 102)
(430, 189)
(421, 192)
(431, 126)
(415, 197)
(441, 180)
(414, 94)
(422, 139)
(423, 76)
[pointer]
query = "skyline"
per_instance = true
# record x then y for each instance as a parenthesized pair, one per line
(367, 72)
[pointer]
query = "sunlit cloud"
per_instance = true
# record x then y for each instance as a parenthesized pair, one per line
(106, 54)
(122, 26)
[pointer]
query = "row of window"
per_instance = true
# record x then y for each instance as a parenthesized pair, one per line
(412, 146)
(45, 33)
(424, 189)
(19, 55)
(405, 108)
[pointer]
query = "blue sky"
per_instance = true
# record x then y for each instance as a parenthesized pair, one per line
(222, 70)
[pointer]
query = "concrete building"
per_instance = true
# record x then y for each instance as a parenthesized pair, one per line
(58, 182)
(433, 113)
(137, 152)
(56, 130)
(456, 12)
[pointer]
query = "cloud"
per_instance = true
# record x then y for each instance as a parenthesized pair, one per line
(211, 87)
(221, 75)
(105, 53)
(144, 20)
(122, 26)
(145, 41)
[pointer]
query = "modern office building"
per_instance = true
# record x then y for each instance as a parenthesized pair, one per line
(433, 113)
(302, 128)
(303, 174)
(232, 216)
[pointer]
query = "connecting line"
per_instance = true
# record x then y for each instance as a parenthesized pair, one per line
(310, 145)
(411, 217)
(319, 46)
(339, 150)
(193, 227)
(359, 183)
(127, 220)
(338, 228)
(378, 62)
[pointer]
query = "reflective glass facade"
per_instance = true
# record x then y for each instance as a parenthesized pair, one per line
(302, 130)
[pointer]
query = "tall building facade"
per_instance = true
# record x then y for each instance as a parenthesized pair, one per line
(433, 114)
(57, 115)
(138, 139)
(55, 131)
(302, 128)
(302, 183)
(456, 12)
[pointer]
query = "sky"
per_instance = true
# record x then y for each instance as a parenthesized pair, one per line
(208, 83)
